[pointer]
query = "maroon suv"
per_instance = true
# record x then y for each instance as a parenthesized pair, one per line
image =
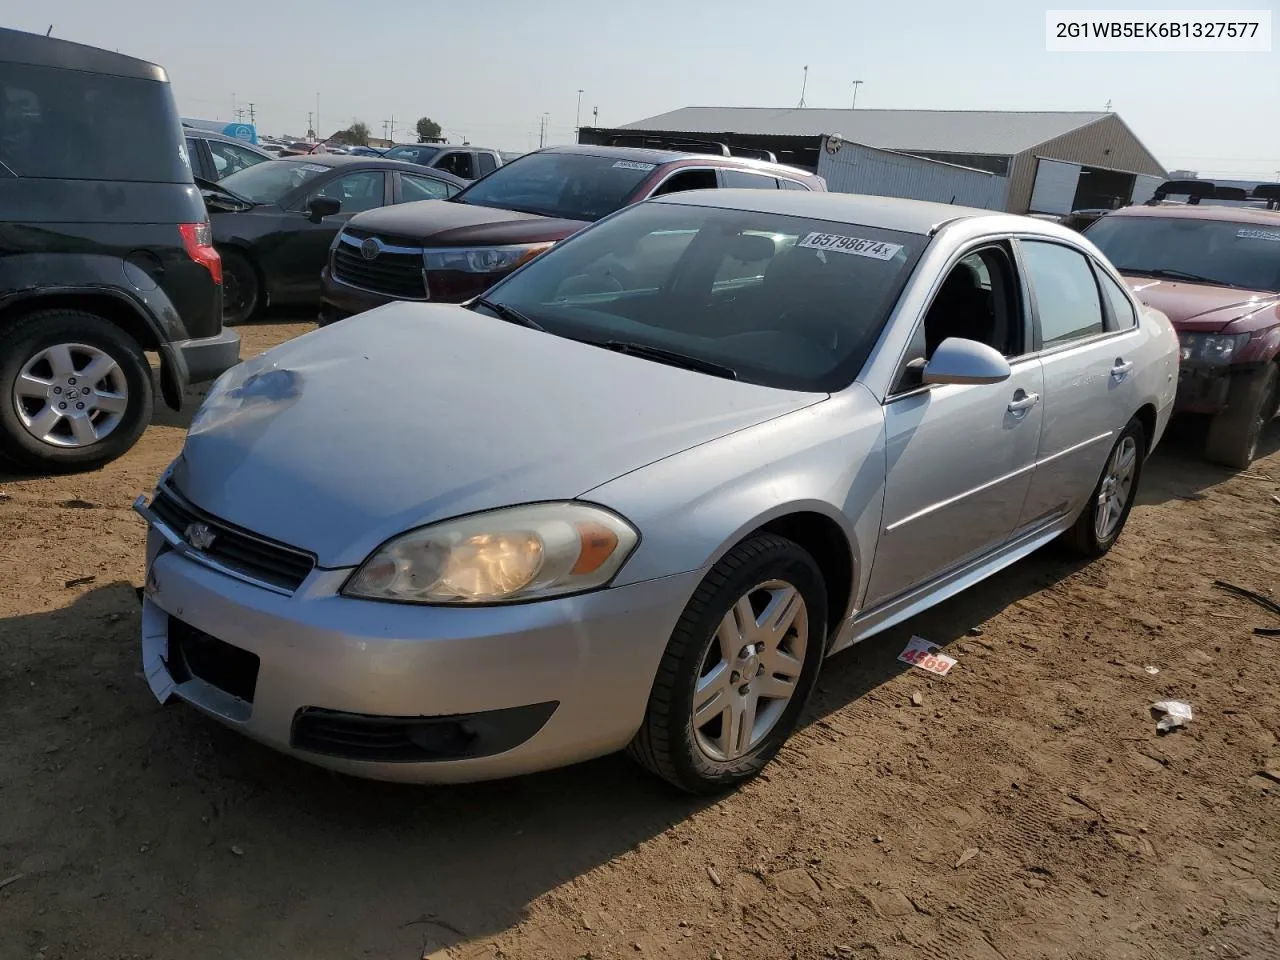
(452, 250)
(1215, 271)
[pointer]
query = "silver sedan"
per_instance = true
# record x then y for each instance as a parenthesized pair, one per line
(636, 494)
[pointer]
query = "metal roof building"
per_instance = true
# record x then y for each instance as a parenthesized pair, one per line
(1053, 161)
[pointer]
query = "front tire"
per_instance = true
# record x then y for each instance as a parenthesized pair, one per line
(75, 391)
(1103, 518)
(241, 291)
(738, 669)
(1251, 403)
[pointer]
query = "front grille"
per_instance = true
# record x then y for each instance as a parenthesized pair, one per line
(358, 736)
(393, 273)
(193, 653)
(236, 549)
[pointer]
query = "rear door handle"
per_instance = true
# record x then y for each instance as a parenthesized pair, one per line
(1024, 403)
(1121, 368)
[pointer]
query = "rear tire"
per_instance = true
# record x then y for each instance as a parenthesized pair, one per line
(241, 291)
(1100, 523)
(117, 406)
(750, 701)
(1251, 403)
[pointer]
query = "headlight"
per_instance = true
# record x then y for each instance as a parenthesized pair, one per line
(519, 553)
(483, 259)
(1211, 347)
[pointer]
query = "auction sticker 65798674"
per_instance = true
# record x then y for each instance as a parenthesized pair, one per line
(859, 247)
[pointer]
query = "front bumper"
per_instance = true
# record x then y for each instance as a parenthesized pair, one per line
(208, 357)
(494, 691)
(1203, 387)
(339, 300)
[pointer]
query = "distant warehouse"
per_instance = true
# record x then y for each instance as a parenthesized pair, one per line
(1049, 162)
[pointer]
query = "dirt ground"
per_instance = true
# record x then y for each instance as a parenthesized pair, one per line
(1025, 809)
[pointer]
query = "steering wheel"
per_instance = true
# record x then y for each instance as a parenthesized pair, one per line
(813, 323)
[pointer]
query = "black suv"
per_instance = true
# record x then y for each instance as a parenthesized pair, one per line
(105, 253)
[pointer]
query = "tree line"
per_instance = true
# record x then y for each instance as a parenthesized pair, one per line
(357, 135)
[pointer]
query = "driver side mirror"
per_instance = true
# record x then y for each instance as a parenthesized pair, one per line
(965, 361)
(320, 207)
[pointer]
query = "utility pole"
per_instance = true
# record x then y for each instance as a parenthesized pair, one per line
(856, 85)
(542, 133)
(317, 127)
(577, 115)
(385, 124)
(311, 130)
(804, 86)
(1108, 105)
(595, 116)
(392, 136)
(252, 116)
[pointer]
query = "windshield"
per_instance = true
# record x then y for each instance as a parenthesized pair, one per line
(572, 186)
(1245, 255)
(421, 155)
(782, 301)
(271, 181)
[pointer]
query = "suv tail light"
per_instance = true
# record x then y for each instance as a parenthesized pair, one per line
(197, 238)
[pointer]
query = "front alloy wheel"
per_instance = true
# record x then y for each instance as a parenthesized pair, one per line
(738, 669)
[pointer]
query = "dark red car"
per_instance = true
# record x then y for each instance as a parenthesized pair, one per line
(452, 250)
(1215, 272)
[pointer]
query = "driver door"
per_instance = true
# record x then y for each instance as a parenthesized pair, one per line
(960, 457)
(306, 249)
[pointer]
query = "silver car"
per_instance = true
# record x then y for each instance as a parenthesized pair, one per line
(637, 493)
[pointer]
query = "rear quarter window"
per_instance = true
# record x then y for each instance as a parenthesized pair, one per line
(70, 125)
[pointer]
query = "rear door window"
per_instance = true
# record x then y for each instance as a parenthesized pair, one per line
(749, 181)
(487, 163)
(69, 125)
(424, 188)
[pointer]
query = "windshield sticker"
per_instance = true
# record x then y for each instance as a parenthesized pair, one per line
(875, 249)
(1250, 233)
(313, 168)
(634, 165)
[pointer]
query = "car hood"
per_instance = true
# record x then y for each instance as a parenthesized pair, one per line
(444, 223)
(414, 413)
(1199, 307)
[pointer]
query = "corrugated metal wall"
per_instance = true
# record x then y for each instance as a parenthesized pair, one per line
(1106, 143)
(856, 168)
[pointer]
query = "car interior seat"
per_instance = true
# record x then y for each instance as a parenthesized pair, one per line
(962, 308)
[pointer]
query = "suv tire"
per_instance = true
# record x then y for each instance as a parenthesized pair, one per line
(1251, 403)
(25, 348)
(768, 572)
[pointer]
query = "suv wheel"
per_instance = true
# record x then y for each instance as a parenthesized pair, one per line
(75, 391)
(738, 669)
(241, 292)
(1251, 403)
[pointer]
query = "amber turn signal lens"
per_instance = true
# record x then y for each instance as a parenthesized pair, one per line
(598, 544)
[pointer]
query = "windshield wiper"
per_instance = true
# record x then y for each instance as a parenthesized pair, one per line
(670, 357)
(1167, 274)
(510, 314)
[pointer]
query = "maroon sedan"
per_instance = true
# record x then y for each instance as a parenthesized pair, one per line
(452, 250)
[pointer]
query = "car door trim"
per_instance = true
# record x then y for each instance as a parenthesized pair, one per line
(1076, 446)
(951, 501)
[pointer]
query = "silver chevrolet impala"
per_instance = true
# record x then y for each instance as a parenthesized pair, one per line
(633, 496)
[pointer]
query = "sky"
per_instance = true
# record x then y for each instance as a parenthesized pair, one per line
(488, 71)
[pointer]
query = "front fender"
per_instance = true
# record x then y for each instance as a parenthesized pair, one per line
(692, 508)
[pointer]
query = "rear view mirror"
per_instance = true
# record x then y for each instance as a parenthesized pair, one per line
(965, 361)
(320, 207)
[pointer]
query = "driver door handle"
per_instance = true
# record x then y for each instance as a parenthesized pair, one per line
(1023, 403)
(1121, 368)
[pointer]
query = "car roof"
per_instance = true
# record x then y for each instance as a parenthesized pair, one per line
(1202, 211)
(196, 133)
(659, 157)
(886, 213)
(372, 163)
(18, 46)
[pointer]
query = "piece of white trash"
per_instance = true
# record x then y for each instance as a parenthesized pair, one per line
(925, 655)
(1176, 714)
(1151, 670)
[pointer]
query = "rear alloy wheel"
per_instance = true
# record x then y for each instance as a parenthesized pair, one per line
(75, 391)
(1102, 519)
(738, 669)
(1235, 433)
(241, 291)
